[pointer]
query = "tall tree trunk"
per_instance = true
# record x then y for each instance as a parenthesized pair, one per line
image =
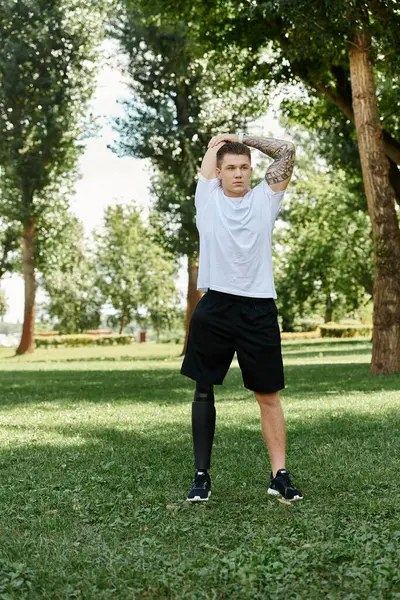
(381, 207)
(28, 260)
(328, 308)
(193, 295)
(122, 322)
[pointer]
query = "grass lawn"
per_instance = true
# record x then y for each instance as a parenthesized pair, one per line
(96, 461)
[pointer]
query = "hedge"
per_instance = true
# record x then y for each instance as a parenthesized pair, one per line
(47, 333)
(345, 331)
(84, 340)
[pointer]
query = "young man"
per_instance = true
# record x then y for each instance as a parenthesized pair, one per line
(238, 311)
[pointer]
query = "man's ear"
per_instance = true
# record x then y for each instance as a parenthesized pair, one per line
(218, 172)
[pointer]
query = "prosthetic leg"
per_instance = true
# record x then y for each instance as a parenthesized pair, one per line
(203, 425)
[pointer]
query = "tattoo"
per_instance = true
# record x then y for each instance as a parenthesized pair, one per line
(281, 168)
(283, 153)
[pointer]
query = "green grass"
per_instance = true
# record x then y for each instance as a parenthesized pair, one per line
(96, 461)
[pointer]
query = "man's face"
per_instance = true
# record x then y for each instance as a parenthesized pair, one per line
(235, 172)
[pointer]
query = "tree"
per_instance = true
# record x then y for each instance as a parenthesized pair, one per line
(291, 41)
(381, 203)
(3, 305)
(68, 275)
(171, 118)
(9, 245)
(323, 260)
(134, 275)
(47, 76)
(335, 60)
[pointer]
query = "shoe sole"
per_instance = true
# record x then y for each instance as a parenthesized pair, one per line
(275, 493)
(198, 499)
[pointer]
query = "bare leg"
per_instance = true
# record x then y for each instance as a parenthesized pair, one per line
(273, 428)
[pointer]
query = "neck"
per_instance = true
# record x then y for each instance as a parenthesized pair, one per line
(233, 195)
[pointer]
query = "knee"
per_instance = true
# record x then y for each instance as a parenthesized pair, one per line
(269, 400)
(204, 392)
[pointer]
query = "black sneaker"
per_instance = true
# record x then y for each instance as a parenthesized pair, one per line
(201, 487)
(281, 486)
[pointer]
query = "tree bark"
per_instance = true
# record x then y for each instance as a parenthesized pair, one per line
(391, 145)
(122, 322)
(340, 95)
(328, 308)
(27, 343)
(381, 207)
(193, 295)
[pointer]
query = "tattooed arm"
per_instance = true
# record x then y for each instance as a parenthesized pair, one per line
(280, 171)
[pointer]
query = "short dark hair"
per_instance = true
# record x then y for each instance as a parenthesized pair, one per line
(232, 148)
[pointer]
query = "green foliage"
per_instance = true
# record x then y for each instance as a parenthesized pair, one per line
(46, 78)
(3, 305)
(9, 245)
(323, 248)
(134, 274)
(345, 331)
(15, 580)
(329, 135)
(292, 42)
(69, 277)
(83, 340)
(178, 104)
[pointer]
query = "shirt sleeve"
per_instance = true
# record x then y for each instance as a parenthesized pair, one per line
(204, 189)
(274, 199)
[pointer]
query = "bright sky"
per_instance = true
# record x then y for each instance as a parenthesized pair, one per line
(107, 179)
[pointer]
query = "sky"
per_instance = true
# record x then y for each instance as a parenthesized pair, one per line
(107, 179)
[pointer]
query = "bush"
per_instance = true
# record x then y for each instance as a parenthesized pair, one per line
(301, 325)
(345, 331)
(172, 337)
(83, 340)
(300, 335)
(47, 333)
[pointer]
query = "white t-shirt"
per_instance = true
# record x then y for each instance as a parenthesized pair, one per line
(236, 239)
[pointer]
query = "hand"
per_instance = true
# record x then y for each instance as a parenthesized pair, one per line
(218, 140)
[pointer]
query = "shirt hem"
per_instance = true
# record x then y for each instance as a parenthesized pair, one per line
(271, 294)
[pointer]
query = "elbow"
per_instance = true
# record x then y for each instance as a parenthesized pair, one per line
(287, 149)
(291, 150)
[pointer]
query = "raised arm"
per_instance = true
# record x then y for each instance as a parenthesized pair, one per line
(280, 171)
(209, 164)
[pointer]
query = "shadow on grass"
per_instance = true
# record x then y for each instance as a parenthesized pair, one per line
(316, 353)
(351, 450)
(321, 343)
(303, 349)
(111, 507)
(167, 386)
(124, 358)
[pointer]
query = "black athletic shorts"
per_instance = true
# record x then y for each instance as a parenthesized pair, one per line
(224, 323)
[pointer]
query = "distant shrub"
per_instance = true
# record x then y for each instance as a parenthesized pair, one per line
(300, 335)
(345, 331)
(83, 340)
(99, 331)
(306, 325)
(47, 333)
(172, 337)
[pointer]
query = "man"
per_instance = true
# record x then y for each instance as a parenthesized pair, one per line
(238, 311)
